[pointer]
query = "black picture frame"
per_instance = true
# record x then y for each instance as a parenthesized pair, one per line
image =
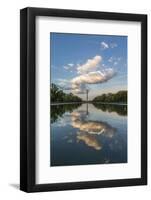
(28, 98)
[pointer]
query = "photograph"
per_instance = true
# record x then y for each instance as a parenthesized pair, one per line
(83, 84)
(88, 99)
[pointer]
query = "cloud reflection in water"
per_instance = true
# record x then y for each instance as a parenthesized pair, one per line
(88, 135)
(89, 140)
(91, 127)
(88, 130)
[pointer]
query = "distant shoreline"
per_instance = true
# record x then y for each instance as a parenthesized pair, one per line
(110, 103)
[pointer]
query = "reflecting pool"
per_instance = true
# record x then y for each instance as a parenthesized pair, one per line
(87, 133)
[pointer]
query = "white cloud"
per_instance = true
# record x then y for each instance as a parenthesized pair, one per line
(115, 63)
(90, 65)
(104, 45)
(89, 73)
(71, 64)
(66, 67)
(111, 59)
(79, 82)
(114, 60)
(113, 45)
(63, 82)
(94, 77)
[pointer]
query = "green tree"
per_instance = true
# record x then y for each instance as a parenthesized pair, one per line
(120, 97)
(57, 95)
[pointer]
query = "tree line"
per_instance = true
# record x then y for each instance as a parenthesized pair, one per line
(120, 97)
(57, 95)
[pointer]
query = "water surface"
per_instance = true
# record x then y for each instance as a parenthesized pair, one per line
(84, 134)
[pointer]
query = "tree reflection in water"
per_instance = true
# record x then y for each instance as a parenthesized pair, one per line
(118, 108)
(82, 134)
(87, 129)
(58, 110)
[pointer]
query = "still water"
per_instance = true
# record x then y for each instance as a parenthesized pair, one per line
(84, 134)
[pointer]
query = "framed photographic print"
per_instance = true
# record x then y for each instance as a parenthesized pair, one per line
(83, 98)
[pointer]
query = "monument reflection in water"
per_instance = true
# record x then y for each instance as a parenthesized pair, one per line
(84, 134)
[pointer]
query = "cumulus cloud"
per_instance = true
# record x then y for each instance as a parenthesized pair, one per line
(76, 88)
(91, 72)
(94, 77)
(104, 45)
(79, 82)
(90, 65)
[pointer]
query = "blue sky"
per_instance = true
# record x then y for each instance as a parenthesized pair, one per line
(95, 62)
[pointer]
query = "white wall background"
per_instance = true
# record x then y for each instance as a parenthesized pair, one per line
(9, 98)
